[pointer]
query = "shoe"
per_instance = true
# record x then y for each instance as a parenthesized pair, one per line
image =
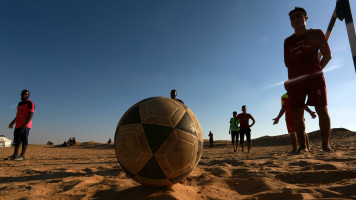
(20, 158)
(10, 158)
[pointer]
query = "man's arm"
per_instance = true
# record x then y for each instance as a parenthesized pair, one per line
(28, 120)
(230, 127)
(324, 50)
(235, 121)
(253, 121)
(281, 112)
(11, 125)
(312, 114)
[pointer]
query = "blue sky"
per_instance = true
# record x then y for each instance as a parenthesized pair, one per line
(87, 62)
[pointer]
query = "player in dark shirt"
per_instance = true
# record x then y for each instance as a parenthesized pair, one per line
(174, 96)
(245, 126)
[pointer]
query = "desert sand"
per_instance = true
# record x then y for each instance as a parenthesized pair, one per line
(90, 170)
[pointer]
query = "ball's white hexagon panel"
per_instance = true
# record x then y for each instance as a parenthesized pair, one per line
(132, 148)
(161, 111)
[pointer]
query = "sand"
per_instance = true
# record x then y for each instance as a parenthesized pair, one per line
(91, 171)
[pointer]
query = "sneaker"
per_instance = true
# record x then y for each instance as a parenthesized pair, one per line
(20, 158)
(10, 158)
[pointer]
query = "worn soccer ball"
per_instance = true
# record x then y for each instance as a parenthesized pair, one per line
(158, 142)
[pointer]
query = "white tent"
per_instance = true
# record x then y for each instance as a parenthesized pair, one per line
(4, 142)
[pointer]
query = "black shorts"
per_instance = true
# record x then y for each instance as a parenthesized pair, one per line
(234, 136)
(243, 132)
(21, 136)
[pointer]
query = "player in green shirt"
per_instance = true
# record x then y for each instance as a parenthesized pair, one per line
(234, 131)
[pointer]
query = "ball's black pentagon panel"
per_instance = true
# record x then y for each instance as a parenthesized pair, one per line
(132, 116)
(152, 170)
(187, 124)
(156, 135)
(199, 132)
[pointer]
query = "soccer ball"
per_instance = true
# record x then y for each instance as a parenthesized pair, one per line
(158, 141)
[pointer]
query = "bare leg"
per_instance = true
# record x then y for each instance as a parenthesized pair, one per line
(307, 141)
(249, 147)
(236, 144)
(293, 140)
(325, 127)
(242, 147)
(299, 126)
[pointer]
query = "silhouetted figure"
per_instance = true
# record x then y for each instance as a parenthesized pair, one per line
(305, 75)
(211, 139)
(49, 143)
(245, 126)
(109, 141)
(74, 141)
(174, 96)
(71, 141)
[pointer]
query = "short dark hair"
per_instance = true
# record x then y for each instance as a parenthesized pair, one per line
(24, 91)
(244, 106)
(298, 9)
(234, 112)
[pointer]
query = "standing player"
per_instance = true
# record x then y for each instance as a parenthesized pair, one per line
(23, 120)
(211, 139)
(286, 108)
(245, 127)
(305, 75)
(174, 96)
(234, 131)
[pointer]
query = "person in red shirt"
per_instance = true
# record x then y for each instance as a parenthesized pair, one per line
(23, 121)
(306, 77)
(174, 96)
(286, 108)
(245, 127)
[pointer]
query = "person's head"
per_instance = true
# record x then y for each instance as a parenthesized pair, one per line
(298, 17)
(244, 109)
(173, 94)
(25, 94)
(234, 114)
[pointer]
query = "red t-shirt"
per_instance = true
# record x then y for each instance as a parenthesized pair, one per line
(244, 118)
(301, 53)
(24, 108)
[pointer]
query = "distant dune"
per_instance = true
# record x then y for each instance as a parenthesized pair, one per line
(89, 170)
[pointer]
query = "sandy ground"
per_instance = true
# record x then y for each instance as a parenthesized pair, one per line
(91, 171)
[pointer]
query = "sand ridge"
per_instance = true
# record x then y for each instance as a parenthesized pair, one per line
(91, 171)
